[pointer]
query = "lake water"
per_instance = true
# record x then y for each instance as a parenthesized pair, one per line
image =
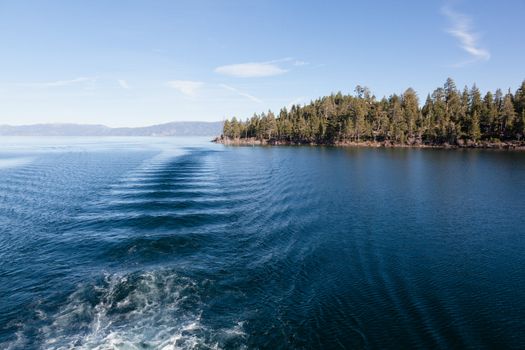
(145, 243)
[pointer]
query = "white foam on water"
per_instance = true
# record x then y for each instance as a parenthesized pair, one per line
(150, 310)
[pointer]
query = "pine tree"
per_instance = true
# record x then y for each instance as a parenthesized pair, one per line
(520, 130)
(476, 107)
(410, 105)
(226, 130)
(440, 115)
(519, 99)
(360, 110)
(453, 102)
(398, 124)
(464, 115)
(490, 112)
(474, 132)
(507, 115)
(235, 129)
(427, 113)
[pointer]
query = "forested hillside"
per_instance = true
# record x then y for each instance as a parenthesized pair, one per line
(448, 116)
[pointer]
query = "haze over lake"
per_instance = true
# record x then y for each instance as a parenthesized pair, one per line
(150, 242)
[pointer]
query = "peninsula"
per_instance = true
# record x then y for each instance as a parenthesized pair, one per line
(448, 118)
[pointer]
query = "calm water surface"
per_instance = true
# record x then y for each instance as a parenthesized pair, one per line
(145, 243)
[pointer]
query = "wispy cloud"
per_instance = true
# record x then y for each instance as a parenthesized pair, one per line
(241, 93)
(186, 87)
(299, 63)
(461, 29)
(260, 69)
(123, 84)
(59, 83)
(251, 70)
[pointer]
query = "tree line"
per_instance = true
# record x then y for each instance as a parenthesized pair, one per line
(447, 116)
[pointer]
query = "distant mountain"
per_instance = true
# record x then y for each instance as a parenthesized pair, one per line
(168, 129)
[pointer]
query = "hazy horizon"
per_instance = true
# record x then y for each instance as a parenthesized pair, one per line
(112, 127)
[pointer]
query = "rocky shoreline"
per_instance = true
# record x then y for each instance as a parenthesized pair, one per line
(510, 145)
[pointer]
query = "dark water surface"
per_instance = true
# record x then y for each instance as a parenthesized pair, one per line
(178, 243)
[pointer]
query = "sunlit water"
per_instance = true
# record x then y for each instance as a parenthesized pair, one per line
(145, 243)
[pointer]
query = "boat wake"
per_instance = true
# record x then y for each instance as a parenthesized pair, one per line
(140, 310)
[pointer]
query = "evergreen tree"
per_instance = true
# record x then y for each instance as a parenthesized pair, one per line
(226, 130)
(474, 132)
(490, 111)
(507, 116)
(520, 129)
(235, 128)
(439, 111)
(519, 99)
(398, 125)
(429, 132)
(410, 105)
(476, 107)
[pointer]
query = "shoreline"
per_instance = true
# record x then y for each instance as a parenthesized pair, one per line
(511, 145)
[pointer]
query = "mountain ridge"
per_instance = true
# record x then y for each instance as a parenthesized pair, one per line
(185, 128)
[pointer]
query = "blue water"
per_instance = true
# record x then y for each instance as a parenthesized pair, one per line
(146, 243)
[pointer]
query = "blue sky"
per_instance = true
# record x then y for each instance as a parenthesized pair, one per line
(131, 63)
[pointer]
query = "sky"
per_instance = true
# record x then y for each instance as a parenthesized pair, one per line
(135, 63)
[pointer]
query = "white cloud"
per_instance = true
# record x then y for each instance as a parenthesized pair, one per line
(260, 69)
(186, 87)
(299, 63)
(123, 84)
(251, 70)
(59, 83)
(240, 93)
(462, 30)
